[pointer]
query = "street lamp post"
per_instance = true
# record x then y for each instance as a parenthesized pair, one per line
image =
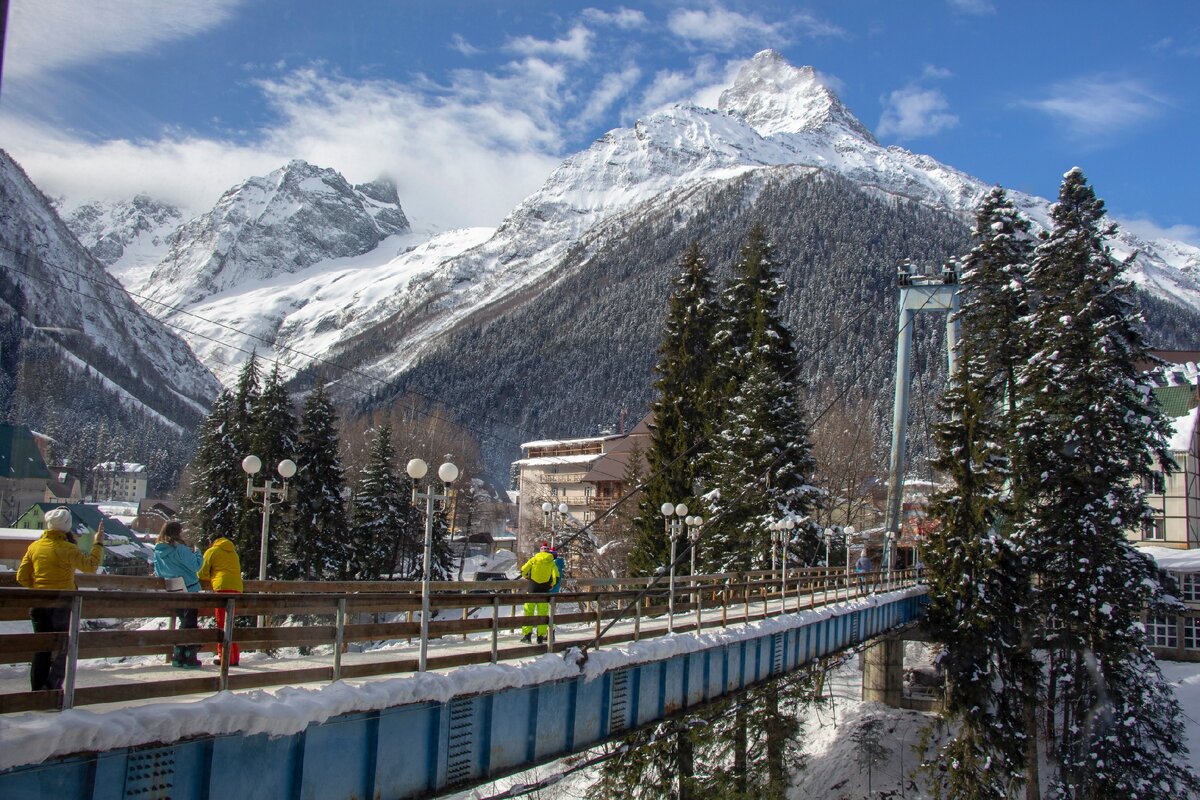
(448, 473)
(783, 530)
(694, 524)
(673, 516)
(271, 495)
(553, 524)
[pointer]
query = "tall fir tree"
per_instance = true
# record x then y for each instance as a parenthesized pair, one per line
(215, 496)
(759, 464)
(1089, 431)
(319, 547)
(383, 530)
(979, 587)
(271, 435)
(682, 409)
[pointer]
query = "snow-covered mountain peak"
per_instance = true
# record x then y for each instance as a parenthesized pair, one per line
(775, 97)
(282, 222)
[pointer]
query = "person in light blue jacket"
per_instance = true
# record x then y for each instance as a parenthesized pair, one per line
(177, 563)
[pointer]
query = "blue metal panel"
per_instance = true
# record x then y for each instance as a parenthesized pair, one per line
(590, 711)
(672, 684)
(256, 767)
(70, 777)
(513, 713)
(407, 751)
(339, 757)
(554, 700)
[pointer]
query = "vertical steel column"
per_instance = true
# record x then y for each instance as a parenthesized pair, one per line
(339, 639)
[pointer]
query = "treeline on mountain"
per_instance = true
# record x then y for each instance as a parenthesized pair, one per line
(567, 362)
(88, 421)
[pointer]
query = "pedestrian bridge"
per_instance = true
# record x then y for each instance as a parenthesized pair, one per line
(489, 706)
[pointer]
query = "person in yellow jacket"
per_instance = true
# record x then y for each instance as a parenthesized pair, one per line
(50, 563)
(543, 575)
(222, 571)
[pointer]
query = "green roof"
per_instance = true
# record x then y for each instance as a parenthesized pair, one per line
(19, 454)
(1176, 401)
(85, 513)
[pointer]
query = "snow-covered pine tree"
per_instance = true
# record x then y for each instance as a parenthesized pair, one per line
(214, 503)
(979, 588)
(1088, 432)
(271, 436)
(320, 544)
(381, 524)
(682, 409)
(759, 464)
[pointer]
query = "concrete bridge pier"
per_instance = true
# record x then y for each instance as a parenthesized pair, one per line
(883, 672)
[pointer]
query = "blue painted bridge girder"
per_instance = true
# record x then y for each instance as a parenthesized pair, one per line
(422, 749)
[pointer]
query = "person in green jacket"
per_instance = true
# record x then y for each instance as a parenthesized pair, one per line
(543, 575)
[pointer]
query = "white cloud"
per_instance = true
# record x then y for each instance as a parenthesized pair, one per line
(1148, 229)
(721, 28)
(624, 18)
(610, 88)
(913, 112)
(973, 6)
(934, 72)
(46, 35)
(459, 43)
(702, 85)
(458, 159)
(576, 45)
(1099, 106)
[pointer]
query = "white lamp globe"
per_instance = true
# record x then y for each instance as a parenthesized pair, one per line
(681, 510)
(667, 509)
(287, 468)
(547, 507)
(251, 465)
(416, 469)
(448, 472)
(563, 508)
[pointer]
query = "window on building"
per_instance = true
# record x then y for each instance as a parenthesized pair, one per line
(1155, 530)
(1191, 633)
(1189, 586)
(1160, 629)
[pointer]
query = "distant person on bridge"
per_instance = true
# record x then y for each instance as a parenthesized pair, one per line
(543, 575)
(562, 570)
(178, 563)
(864, 566)
(50, 563)
(223, 570)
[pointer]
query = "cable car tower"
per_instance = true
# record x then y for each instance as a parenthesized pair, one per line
(918, 293)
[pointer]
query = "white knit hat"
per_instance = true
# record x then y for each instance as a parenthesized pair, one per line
(59, 519)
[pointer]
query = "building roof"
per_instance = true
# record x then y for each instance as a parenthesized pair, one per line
(568, 442)
(552, 461)
(19, 454)
(89, 516)
(119, 466)
(1176, 401)
(1174, 560)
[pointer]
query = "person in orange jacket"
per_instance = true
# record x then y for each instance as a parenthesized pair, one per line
(543, 575)
(222, 570)
(50, 563)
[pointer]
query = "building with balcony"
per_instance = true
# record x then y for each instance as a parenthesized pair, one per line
(120, 481)
(587, 475)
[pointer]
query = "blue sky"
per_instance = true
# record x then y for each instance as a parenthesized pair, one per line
(468, 105)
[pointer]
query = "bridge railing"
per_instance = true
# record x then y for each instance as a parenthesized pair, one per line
(308, 615)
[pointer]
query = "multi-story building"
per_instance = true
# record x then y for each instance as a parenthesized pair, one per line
(1175, 498)
(587, 475)
(121, 481)
(23, 473)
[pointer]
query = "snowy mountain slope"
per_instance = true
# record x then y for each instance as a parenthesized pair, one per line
(295, 217)
(51, 281)
(272, 254)
(128, 237)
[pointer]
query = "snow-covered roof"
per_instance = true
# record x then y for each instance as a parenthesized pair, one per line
(1183, 432)
(119, 466)
(20, 534)
(1174, 560)
(551, 461)
(568, 442)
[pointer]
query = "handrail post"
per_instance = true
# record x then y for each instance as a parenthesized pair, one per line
(699, 595)
(550, 626)
(495, 628)
(68, 698)
(599, 620)
(637, 619)
(746, 598)
(338, 638)
(226, 647)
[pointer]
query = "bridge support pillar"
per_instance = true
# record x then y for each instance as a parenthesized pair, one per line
(883, 672)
